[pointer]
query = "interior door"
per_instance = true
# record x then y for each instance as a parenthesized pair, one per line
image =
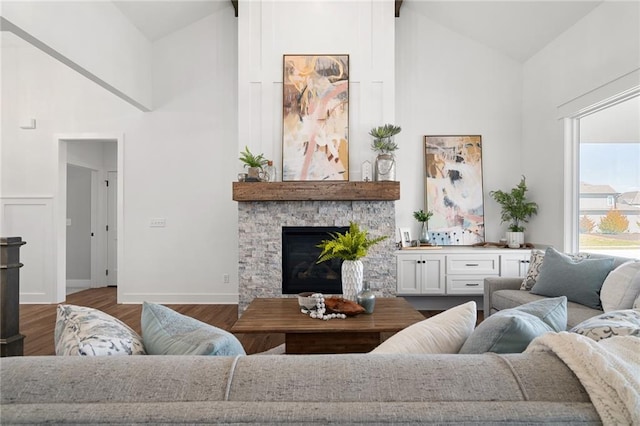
(112, 229)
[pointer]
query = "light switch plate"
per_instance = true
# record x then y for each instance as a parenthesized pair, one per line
(158, 222)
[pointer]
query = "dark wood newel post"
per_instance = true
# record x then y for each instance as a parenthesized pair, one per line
(11, 341)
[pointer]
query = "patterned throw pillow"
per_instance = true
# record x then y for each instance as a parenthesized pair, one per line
(535, 263)
(87, 331)
(625, 322)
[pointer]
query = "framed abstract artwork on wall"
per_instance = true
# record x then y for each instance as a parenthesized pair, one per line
(453, 186)
(315, 130)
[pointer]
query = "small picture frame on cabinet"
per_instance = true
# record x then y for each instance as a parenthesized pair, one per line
(405, 237)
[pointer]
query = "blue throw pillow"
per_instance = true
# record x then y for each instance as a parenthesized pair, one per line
(579, 280)
(511, 330)
(167, 332)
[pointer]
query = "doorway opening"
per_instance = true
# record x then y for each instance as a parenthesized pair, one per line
(88, 212)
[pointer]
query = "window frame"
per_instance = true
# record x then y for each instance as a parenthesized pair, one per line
(615, 92)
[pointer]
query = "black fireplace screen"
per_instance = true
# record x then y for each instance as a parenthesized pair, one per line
(300, 272)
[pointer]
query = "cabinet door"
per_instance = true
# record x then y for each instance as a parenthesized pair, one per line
(409, 273)
(433, 274)
(514, 265)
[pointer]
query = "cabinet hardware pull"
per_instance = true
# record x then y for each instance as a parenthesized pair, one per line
(472, 264)
(472, 284)
(524, 261)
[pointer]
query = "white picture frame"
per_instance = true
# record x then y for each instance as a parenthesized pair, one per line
(405, 236)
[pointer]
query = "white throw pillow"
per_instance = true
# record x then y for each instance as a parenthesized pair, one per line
(621, 287)
(444, 333)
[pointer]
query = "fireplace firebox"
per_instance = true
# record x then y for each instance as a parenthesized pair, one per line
(300, 272)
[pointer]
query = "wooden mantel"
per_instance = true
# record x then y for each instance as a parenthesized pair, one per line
(316, 191)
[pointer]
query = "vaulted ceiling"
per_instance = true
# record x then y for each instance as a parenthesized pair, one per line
(517, 28)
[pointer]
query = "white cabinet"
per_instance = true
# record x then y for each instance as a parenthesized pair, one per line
(456, 271)
(421, 274)
(514, 264)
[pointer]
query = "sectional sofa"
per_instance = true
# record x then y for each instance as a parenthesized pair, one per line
(504, 293)
(535, 388)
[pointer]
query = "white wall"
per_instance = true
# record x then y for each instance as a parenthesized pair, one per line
(179, 162)
(85, 33)
(600, 48)
(268, 29)
(37, 86)
(448, 84)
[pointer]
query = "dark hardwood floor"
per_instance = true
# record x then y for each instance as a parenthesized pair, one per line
(37, 322)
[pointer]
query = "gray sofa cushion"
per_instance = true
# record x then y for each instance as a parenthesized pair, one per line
(506, 299)
(275, 389)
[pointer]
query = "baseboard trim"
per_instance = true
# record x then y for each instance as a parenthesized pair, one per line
(181, 298)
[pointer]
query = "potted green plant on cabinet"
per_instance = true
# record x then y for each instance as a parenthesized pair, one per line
(351, 246)
(254, 164)
(423, 218)
(516, 210)
(384, 145)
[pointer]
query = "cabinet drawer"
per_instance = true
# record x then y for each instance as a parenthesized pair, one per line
(474, 264)
(465, 285)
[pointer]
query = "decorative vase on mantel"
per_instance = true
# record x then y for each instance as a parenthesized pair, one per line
(385, 167)
(352, 276)
(384, 144)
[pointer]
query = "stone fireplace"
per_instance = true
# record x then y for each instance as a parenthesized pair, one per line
(260, 224)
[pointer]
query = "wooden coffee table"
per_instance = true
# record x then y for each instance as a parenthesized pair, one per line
(305, 335)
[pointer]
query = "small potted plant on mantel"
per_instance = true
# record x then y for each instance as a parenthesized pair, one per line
(384, 145)
(517, 210)
(351, 246)
(254, 164)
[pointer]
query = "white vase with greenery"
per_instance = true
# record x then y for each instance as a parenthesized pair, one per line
(351, 246)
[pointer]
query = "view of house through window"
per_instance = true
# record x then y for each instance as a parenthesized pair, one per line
(609, 176)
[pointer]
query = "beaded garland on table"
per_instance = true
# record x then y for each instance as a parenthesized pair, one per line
(319, 311)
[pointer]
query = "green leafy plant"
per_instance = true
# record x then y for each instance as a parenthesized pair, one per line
(251, 160)
(352, 245)
(515, 207)
(382, 135)
(421, 216)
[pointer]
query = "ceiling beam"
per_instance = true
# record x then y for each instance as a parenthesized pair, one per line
(398, 6)
(235, 6)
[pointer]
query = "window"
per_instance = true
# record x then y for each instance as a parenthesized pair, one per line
(608, 176)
